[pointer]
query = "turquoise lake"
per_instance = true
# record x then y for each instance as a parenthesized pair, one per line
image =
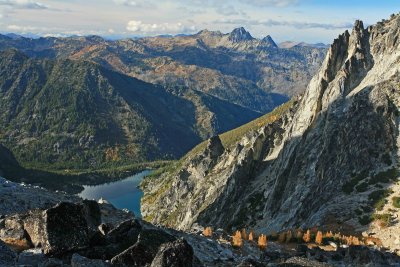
(123, 194)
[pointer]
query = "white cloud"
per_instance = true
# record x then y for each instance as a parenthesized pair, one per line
(134, 3)
(138, 26)
(294, 24)
(51, 31)
(23, 4)
(275, 3)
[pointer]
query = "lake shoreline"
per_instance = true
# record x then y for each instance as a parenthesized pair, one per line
(123, 194)
(72, 182)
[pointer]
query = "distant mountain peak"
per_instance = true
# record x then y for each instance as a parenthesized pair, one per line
(268, 41)
(240, 34)
(208, 32)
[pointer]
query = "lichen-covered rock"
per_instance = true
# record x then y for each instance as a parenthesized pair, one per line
(174, 254)
(13, 234)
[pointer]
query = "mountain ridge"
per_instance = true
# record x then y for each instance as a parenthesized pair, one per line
(290, 173)
(78, 111)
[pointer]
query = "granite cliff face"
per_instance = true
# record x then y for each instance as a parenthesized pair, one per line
(328, 159)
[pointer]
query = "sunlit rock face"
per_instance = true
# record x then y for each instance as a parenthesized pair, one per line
(296, 170)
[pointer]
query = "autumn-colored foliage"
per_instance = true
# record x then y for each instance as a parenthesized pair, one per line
(112, 154)
(262, 242)
(307, 236)
(244, 234)
(237, 240)
(251, 235)
(318, 238)
(329, 234)
(208, 232)
(355, 241)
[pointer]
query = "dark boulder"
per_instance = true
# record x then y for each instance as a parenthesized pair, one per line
(143, 252)
(174, 254)
(126, 232)
(58, 230)
(92, 213)
(117, 240)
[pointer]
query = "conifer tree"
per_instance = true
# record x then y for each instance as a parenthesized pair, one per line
(262, 242)
(307, 236)
(237, 239)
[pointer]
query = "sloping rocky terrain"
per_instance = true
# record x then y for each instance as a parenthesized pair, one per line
(329, 159)
(72, 232)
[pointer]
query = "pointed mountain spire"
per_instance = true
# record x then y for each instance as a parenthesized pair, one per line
(239, 35)
(267, 41)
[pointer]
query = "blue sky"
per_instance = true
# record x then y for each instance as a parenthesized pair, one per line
(293, 20)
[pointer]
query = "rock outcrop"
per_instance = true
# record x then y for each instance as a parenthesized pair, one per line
(59, 229)
(295, 171)
(175, 254)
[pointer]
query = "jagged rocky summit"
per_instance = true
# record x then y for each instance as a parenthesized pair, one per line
(329, 159)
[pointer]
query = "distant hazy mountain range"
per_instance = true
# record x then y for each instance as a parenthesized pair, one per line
(87, 102)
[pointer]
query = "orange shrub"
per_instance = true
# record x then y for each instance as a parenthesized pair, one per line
(329, 234)
(208, 232)
(262, 242)
(318, 238)
(251, 235)
(307, 236)
(237, 240)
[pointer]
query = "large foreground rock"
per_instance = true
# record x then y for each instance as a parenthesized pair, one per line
(174, 254)
(59, 229)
